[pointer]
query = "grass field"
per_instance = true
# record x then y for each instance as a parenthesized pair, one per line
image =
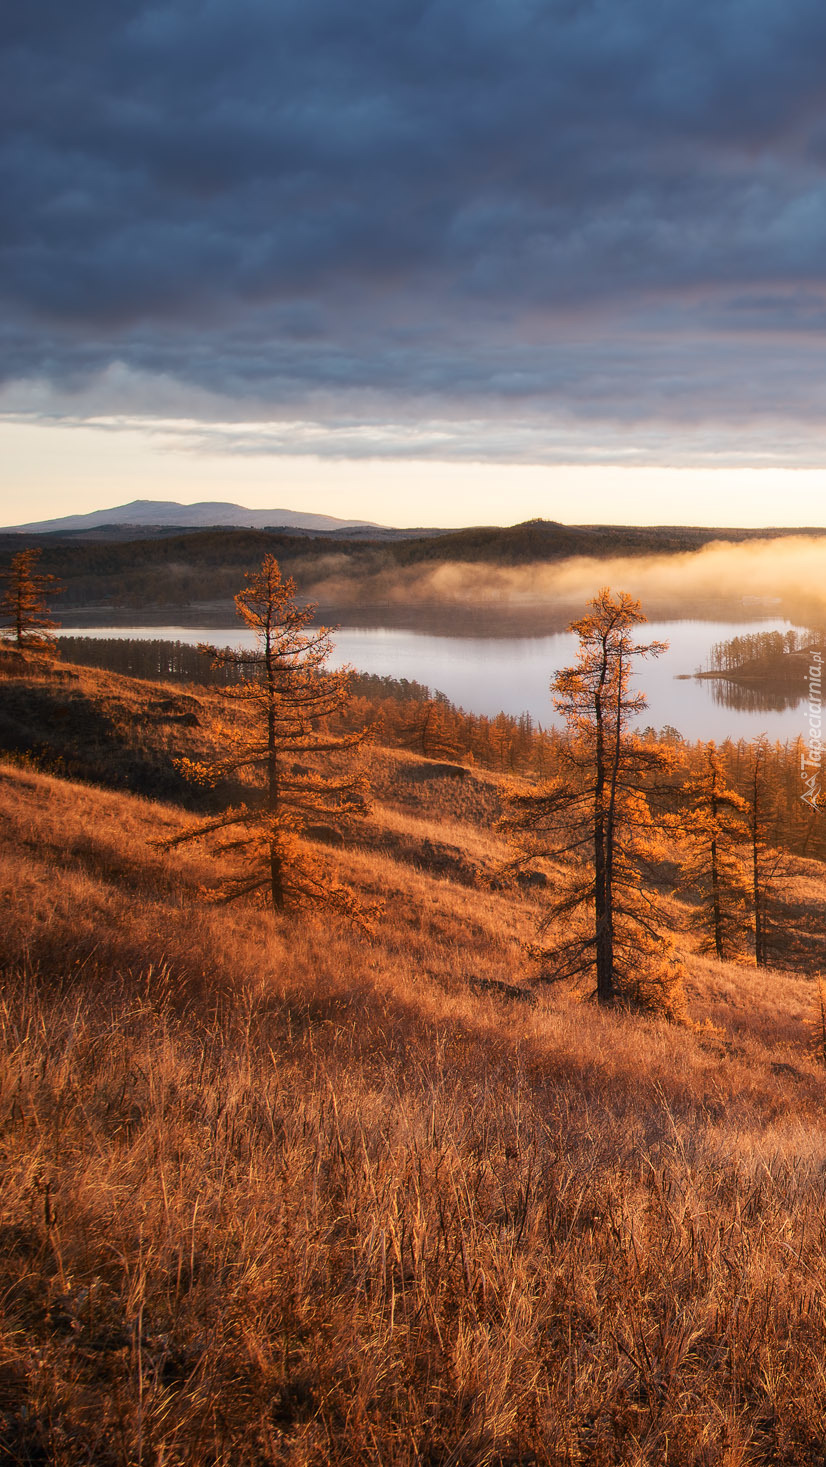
(274, 1193)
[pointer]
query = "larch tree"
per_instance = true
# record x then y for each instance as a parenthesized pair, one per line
(283, 744)
(714, 829)
(429, 729)
(24, 602)
(593, 817)
(763, 864)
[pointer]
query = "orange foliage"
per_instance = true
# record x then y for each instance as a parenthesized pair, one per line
(23, 601)
(282, 706)
(594, 816)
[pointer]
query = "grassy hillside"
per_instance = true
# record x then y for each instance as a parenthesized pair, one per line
(276, 1194)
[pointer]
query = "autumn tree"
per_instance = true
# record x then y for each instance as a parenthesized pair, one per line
(429, 728)
(281, 744)
(763, 863)
(714, 830)
(594, 818)
(24, 604)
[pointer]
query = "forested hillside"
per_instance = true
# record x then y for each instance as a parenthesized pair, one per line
(204, 567)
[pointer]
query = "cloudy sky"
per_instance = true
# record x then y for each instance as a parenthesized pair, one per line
(422, 261)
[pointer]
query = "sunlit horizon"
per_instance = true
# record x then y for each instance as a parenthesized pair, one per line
(53, 470)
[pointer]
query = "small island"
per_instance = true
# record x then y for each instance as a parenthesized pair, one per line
(762, 670)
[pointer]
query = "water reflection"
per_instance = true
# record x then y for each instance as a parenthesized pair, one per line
(487, 675)
(746, 698)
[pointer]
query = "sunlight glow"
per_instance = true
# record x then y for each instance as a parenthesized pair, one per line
(54, 469)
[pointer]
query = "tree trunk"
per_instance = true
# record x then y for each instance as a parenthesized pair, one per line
(604, 935)
(757, 895)
(273, 793)
(715, 878)
(276, 877)
(715, 902)
(759, 953)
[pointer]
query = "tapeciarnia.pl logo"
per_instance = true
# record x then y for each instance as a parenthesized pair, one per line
(811, 758)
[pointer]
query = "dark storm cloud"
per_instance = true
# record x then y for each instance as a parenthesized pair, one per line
(592, 206)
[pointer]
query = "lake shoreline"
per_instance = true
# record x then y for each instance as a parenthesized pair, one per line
(486, 673)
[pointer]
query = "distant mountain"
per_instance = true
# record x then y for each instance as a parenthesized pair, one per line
(160, 513)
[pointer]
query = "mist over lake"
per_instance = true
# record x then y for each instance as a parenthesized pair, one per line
(488, 675)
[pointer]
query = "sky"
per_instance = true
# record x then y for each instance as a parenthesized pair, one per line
(416, 261)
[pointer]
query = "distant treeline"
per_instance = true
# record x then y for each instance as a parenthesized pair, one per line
(181, 569)
(158, 660)
(754, 648)
(181, 662)
(437, 729)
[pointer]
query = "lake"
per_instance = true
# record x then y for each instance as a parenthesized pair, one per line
(490, 674)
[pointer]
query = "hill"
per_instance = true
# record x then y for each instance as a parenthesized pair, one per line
(163, 514)
(198, 572)
(273, 1194)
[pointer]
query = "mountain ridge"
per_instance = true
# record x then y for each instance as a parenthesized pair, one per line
(205, 514)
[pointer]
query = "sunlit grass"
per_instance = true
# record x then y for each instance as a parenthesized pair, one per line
(272, 1193)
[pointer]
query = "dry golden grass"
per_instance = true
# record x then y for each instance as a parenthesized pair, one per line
(271, 1194)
